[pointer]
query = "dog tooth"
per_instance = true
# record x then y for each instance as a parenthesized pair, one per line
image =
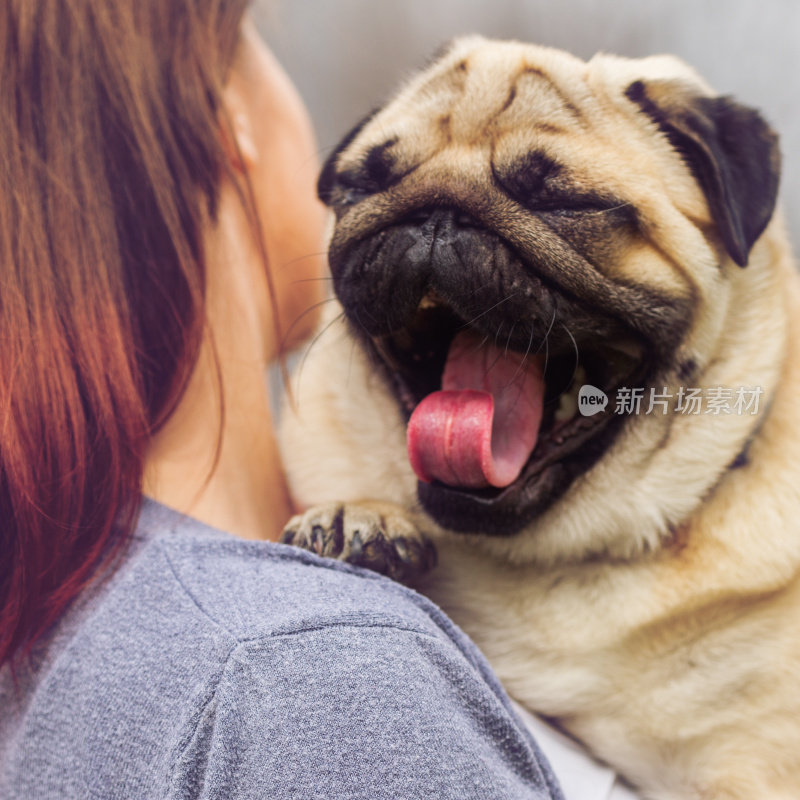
(428, 301)
(567, 406)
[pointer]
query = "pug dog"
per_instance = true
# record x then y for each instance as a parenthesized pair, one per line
(564, 354)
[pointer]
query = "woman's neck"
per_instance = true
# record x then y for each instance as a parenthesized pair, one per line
(222, 466)
(216, 457)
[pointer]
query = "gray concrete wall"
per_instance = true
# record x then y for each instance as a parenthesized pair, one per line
(346, 56)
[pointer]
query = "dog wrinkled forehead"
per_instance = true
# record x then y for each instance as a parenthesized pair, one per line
(480, 87)
(472, 93)
(477, 90)
(490, 114)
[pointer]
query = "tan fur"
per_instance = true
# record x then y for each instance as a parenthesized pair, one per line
(654, 610)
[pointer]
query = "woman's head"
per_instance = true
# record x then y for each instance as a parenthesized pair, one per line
(116, 143)
(275, 149)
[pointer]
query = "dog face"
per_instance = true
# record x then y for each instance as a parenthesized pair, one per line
(517, 222)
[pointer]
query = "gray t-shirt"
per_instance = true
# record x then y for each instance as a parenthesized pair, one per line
(212, 667)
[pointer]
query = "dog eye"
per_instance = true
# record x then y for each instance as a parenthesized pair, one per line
(351, 188)
(376, 173)
(528, 179)
(570, 206)
(543, 186)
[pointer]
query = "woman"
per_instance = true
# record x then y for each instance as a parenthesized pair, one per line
(158, 238)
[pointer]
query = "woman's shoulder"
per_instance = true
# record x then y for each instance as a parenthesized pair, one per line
(258, 670)
(256, 590)
(338, 678)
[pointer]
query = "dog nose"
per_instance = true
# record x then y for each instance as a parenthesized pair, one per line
(381, 280)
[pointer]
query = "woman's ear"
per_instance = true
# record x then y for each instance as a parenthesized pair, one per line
(237, 127)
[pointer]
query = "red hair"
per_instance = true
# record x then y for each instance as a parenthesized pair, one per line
(110, 164)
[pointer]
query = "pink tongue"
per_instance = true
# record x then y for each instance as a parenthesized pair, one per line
(482, 427)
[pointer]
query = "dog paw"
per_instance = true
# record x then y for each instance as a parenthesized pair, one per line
(378, 536)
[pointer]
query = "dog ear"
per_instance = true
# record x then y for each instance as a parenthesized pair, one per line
(731, 151)
(327, 175)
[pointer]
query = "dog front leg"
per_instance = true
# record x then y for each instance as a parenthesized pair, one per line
(376, 535)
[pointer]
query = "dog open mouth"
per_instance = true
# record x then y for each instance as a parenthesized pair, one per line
(486, 349)
(495, 433)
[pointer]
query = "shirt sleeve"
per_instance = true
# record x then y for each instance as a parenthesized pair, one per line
(361, 712)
